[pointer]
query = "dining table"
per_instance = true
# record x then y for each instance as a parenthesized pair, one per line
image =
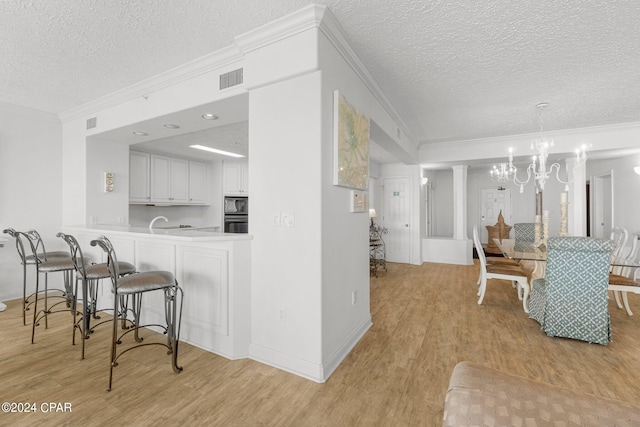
(534, 257)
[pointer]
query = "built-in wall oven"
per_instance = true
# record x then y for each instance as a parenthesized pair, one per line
(236, 214)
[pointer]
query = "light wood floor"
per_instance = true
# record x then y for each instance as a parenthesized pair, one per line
(425, 320)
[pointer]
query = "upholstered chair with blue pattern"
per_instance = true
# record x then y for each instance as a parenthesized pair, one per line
(524, 231)
(571, 301)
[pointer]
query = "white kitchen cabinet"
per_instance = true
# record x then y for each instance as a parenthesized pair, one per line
(236, 178)
(169, 180)
(205, 307)
(179, 181)
(197, 183)
(161, 179)
(139, 190)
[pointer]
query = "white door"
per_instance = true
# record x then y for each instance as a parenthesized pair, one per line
(397, 210)
(601, 203)
(492, 201)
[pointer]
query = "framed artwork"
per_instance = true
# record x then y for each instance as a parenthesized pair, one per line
(350, 145)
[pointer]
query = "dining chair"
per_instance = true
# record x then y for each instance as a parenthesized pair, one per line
(28, 258)
(501, 260)
(90, 274)
(135, 286)
(627, 277)
(513, 273)
(619, 237)
(524, 231)
(571, 300)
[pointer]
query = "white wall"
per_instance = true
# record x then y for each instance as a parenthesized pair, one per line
(285, 177)
(30, 186)
(626, 188)
(106, 207)
(442, 184)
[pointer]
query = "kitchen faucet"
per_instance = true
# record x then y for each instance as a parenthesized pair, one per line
(155, 219)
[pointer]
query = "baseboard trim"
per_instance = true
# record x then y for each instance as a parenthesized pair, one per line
(305, 369)
(343, 351)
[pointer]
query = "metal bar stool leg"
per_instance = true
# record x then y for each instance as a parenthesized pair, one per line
(173, 319)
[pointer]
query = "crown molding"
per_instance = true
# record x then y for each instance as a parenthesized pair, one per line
(318, 16)
(590, 130)
(189, 70)
(289, 25)
(332, 29)
(603, 138)
(310, 17)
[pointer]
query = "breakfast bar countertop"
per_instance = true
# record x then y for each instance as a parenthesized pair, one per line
(182, 234)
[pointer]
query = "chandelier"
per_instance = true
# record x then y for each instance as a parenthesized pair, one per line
(503, 172)
(538, 168)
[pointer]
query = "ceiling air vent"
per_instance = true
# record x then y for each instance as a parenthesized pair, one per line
(231, 78)
(92, 122)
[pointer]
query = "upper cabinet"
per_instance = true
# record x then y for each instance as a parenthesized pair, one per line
(197, 182)
(139, 191)
(236, 178)
(161, 179)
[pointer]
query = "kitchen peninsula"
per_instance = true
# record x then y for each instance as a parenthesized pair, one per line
(212, 268)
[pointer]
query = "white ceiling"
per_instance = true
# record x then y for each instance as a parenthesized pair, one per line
(453, 70)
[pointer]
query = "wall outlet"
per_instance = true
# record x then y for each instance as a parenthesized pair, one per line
(354, 297)
(283, 315)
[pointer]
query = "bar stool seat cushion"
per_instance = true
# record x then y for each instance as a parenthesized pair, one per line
(146, 281)
(99, 271)
(30, 259)
(56, 264)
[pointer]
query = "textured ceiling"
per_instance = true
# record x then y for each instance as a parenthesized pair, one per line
(453, 70)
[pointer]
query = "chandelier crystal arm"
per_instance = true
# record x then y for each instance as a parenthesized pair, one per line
(557, 167)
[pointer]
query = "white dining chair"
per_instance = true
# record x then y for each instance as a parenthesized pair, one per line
(624, 279)
(513, 273)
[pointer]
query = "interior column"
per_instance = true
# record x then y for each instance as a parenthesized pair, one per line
(460, 202)
(577, 197)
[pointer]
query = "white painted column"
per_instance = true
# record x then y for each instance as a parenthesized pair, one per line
(460, 202)
(577, 197)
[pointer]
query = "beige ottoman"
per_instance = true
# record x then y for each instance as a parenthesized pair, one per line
(480, 396)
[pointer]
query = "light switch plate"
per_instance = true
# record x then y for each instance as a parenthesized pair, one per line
(357, 201)
(288, 219)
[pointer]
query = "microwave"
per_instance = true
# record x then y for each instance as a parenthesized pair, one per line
(236, 205)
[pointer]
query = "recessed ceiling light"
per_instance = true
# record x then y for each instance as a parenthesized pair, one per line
(140, 133)
(171, 126)
(209, 116)
(214, 150)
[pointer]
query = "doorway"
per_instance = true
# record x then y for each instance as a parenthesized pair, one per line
(600, 205)
(493, 200)
(397, 216)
